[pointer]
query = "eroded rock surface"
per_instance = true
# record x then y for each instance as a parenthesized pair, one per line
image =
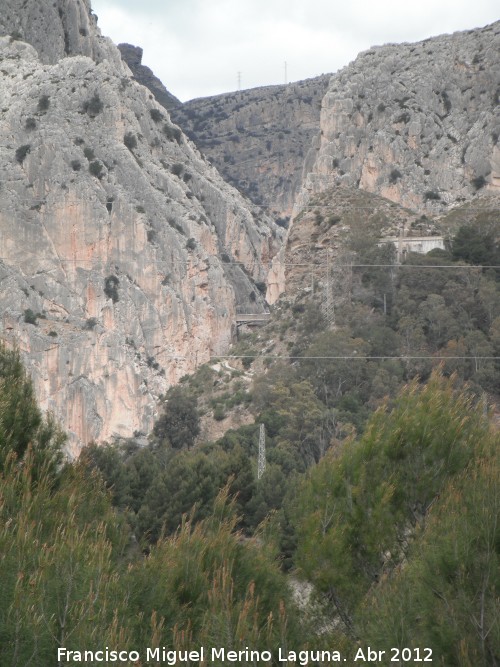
(258, 138)
(416, 123)
(57, 28)
(124, 255)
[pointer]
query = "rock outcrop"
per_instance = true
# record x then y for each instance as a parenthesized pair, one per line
(132, 55)
(124, 255)
(258, 138)
(57, 29)
(417, 123)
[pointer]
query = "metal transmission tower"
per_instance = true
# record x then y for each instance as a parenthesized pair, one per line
(328, 306)
(261, 463)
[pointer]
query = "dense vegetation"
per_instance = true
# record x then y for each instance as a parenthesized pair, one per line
(409, 516)
(381, 488)
(399, 323)
(72, 575)
(398, 533)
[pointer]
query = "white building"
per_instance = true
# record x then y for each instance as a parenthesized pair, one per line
(420, 244)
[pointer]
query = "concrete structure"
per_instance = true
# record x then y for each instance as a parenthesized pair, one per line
(420, 244)
(253, 318)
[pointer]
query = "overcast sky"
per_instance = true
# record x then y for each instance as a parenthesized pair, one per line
(198, 47)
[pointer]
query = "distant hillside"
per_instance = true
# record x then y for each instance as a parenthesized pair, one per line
(258, 138)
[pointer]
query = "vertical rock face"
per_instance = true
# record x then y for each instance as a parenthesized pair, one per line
(57, 28)
(416, 123)
(258, 138)
(124, 255)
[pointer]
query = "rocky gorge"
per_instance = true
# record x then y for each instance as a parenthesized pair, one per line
(134, 228)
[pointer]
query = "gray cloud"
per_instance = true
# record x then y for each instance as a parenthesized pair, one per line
(197, 47)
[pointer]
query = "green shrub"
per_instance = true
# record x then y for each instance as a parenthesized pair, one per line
(382, 487)
(130, 141)
(403, 118)
(283, 222)
(76, 165)
(43, 103)
(30, 317)
(479, 182)
(432, 195)
(176, 226)
(333, 220)
(394, 176)
(156, 115)
(172, 133)
(22, 152)
(177, 169)
(30, 124)
(95, 168)
(152, 363)
(261, 286)
(111, 288)
(219, 413)
(94, 106)
(191, 244)
(446, 101)
(179, 423)
(89, 153)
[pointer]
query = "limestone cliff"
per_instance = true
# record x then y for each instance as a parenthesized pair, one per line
(57, 29)
(416, 123)
(124, 255)
(258, 138)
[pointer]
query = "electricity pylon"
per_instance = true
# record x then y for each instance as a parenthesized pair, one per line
(261, 463)
(328, 306)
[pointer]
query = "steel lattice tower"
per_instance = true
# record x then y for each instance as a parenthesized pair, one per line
(261, 464)
(328, 307)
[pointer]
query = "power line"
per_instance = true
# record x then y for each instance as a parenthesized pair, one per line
(43, 201)
(352, 357)
(402, 266)
(317, 265)
(215, 358)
